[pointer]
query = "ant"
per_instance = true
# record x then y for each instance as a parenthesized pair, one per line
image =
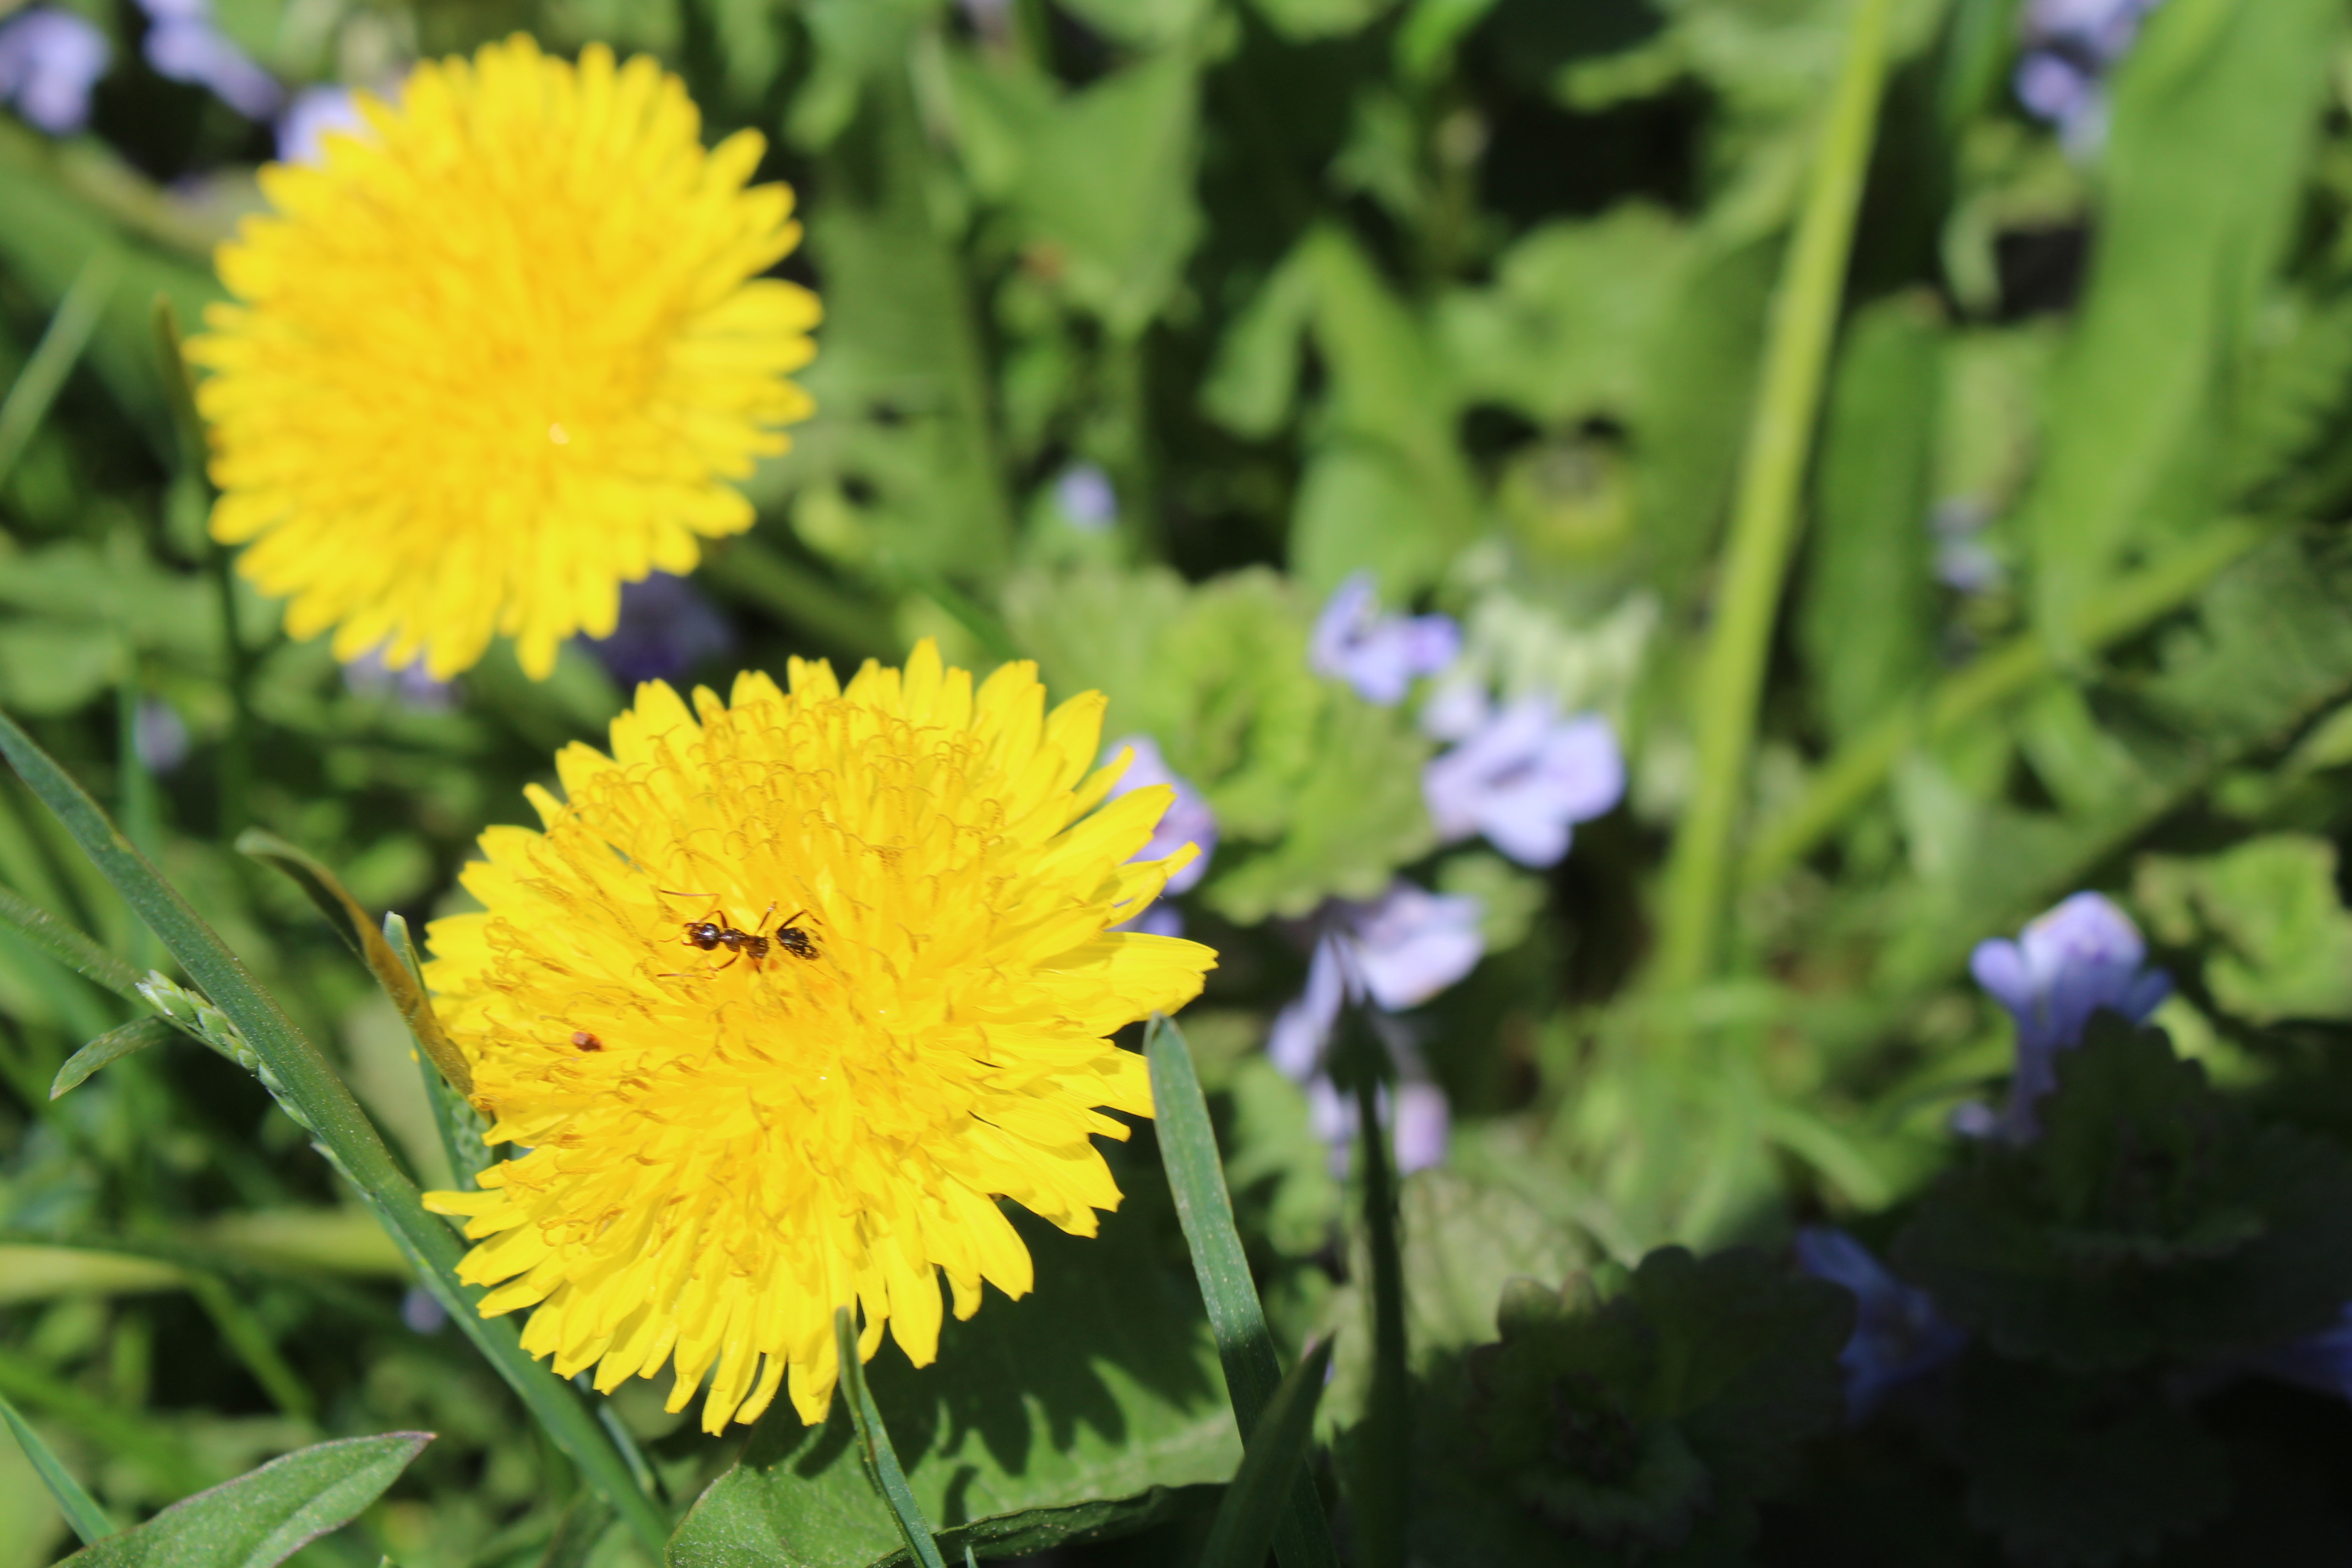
(710, 935)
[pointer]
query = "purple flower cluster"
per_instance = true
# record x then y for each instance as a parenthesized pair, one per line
(666, 627)
(1086, 499)
(1189, 819)
(2080, 957)
(2069, 47)
(1379, 656)
(1898, 1334)
(184, 44)
(1523, 776)
(49, 59)
(1394, 952)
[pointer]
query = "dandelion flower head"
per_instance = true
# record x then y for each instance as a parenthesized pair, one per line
(497, 354)
(724, 1147)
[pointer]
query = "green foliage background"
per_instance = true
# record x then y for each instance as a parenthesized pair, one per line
(1475, 294)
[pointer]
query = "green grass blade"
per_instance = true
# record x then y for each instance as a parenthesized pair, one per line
(1188, 1146)
(110, 1046)
(459, 1124)
(1384, 1452)
(69, 946)
(357, 927)
(138, 1438)
(303, 1083)
(1253, 1505)
(81, 1510)
(44, 375)
(881, 1458)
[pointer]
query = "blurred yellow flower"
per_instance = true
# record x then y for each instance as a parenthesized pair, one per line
(898, 1013)
(495, 355)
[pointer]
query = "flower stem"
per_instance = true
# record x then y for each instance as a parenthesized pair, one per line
(1764, 517)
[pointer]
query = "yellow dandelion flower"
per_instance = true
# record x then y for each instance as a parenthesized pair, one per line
(495, 356)
(730, 1139)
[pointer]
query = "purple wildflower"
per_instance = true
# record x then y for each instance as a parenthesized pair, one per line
(49, 59)
(2080, 957)
(184, 44)
(666, 627)
(159, 736)
(2069, 47)
(1377, 654)
(1525, 778)
(1419, 1119)
(421, 1312)
(1087, 500)
(315, 113)
(1898, 1334)
(1395, 953)
(369, 675)
(2321, 1362)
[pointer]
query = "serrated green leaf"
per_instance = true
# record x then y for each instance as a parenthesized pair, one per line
(1077, 1411)
(2278, 938)
(261, 1519)
(2072, 1470)
(2151, 1218)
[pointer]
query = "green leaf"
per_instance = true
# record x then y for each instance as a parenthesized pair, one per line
(110, 1046)
(1317, 791)
(1636, 1418)
(2213, 117)
(80, 1509)
(358, 930)
(1188, 1147)
(2073, 1470)
(1076, 1411)
(1867, 622)
(68, 946)
(265, 1517)
(2151, 1218)
(1251, 1508)
(299, 1079)
(2277, 939)
(1566, 331)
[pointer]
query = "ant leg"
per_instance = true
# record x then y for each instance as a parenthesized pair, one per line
(730, 961)
(763, 926)
(791, 920)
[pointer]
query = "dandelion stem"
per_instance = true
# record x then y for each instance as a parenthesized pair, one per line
(1764, 517)
(874, 1440)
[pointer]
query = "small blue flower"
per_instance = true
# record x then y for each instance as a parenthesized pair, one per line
(1189, 819)
(2068, 48)
(2080, 957)
(314, 114)
(1898, 1334)
(1086, 499)
(159, 736)
(2320, 1362)
(1379, 656)
(1395, 953)
(184, 44)
(666, 627)
(1524, 778)
(49, 59)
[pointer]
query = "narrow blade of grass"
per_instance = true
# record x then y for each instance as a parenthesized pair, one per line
(881, 1458)
(1188, 1146)
(1383, 1456)
(357, 927)
(459, 1124)
(81, 1510)
(299, 1076)
(1253, 1505)
(44, 375)
(69, 946)
(110, 1046)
